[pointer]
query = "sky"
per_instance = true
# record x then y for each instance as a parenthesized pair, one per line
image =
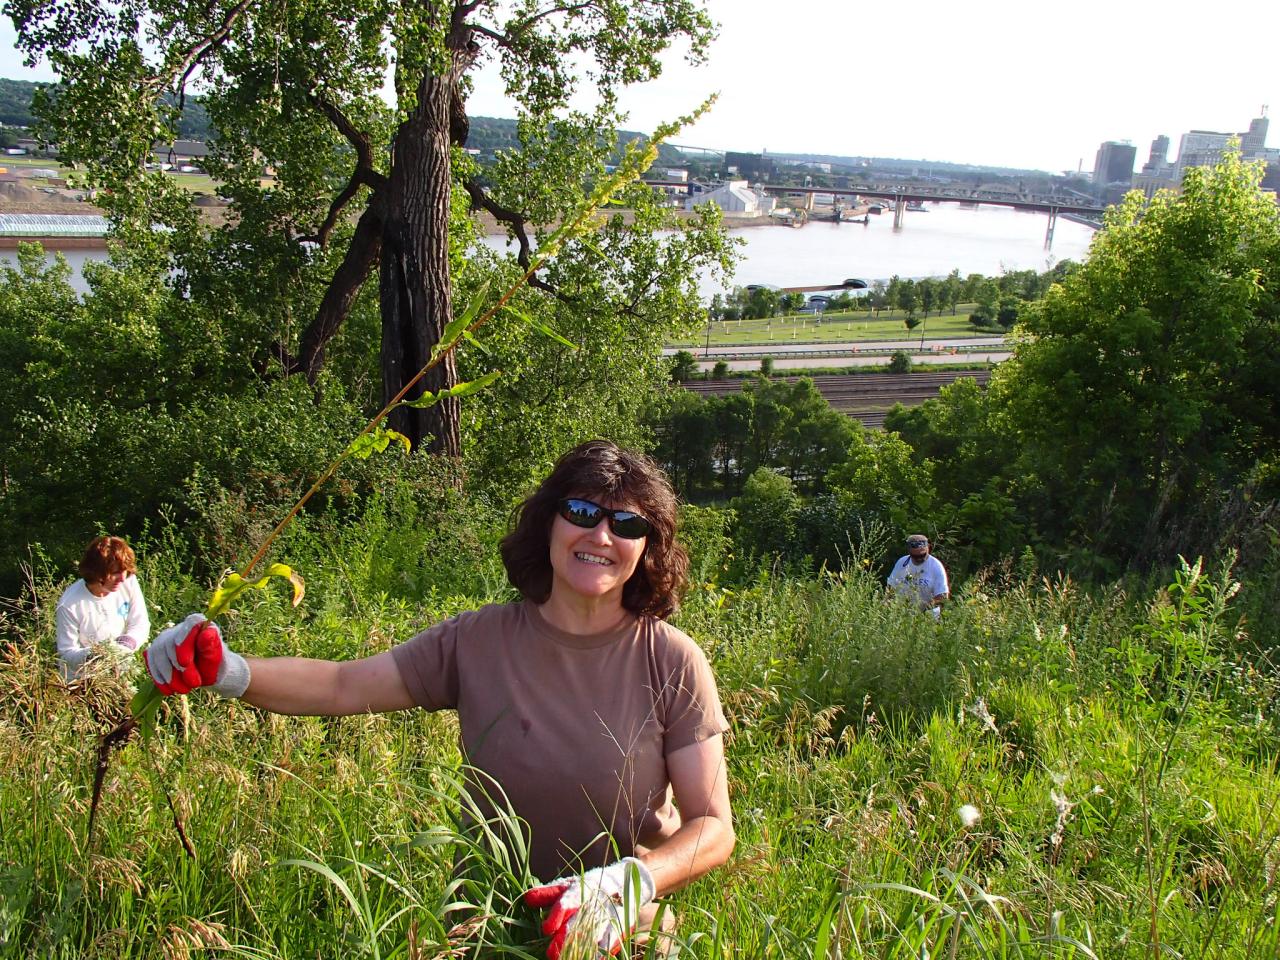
(995, 82)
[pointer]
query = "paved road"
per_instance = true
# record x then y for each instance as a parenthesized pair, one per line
(796, 346)
(803, 363)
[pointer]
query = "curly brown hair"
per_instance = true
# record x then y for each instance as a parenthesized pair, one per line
(602, 470)
(106, 555)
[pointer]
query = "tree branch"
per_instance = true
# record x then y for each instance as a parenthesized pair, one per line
(359, 139)
(196, 52)
(364, 173)
(550, 12)
(321, 236)
(362, 256)
(507, 40)
(481, 200)
(501, 39)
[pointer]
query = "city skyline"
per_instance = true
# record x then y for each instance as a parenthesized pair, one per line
(993, 83)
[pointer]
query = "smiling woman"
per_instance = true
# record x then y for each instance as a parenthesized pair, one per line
(599, 721)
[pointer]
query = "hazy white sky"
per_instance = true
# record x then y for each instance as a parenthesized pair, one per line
(1004, 82)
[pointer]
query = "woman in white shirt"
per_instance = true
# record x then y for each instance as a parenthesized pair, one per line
(103, 612)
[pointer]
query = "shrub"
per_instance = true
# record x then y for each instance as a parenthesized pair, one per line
(765, 515)
(982, 316)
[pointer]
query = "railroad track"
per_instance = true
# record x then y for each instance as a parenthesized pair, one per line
(864, 396)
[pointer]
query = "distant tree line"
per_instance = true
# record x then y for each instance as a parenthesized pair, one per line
(487, 134)
(998, 300)
(15, 110)
(490, 135)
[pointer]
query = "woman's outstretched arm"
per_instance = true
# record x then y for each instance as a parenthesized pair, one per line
(295, 685)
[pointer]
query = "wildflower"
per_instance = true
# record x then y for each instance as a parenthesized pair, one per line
(982, 714)
(969, 815)
(1063, 806)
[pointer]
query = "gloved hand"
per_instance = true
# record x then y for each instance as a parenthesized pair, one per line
(601, 906)
(193, 655)
(127, 642)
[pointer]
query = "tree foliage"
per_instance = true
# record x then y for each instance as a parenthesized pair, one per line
(361, 187)
(1145, 404)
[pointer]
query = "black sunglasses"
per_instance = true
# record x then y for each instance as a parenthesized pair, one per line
(917, 543)
(585, 514)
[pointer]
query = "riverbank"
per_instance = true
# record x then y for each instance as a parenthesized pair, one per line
(215, 214)
(492, 228)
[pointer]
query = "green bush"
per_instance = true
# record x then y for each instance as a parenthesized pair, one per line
(764, 515)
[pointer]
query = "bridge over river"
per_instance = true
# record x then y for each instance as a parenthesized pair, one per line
(1050, 204)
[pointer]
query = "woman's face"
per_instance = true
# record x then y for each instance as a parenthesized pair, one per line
(593, 563)
(110, 583)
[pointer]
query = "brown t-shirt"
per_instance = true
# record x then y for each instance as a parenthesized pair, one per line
(576, 729)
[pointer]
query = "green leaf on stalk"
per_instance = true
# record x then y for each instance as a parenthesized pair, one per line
(433, 837)
(144, 706)
(590, 244)
(328, 873)
(457, 390)
(235, 585)
(456, 327)
(541, 327)
(475, 342)
(375, 441)
(825, 927)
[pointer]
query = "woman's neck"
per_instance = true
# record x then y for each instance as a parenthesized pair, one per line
(583, 615)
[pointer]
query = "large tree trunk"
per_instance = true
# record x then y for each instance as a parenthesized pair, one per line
(415, 286)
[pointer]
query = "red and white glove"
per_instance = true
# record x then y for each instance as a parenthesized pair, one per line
(600, 907)
(193, 655)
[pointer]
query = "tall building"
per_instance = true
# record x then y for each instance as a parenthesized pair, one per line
(1204, 148)
(1254, 142)
(1200, 148)
(749, 166)
(1159, 155)
(1113, 168)
(1157, 173)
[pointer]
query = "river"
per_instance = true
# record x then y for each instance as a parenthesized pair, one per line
(943, 237)
(986, 239)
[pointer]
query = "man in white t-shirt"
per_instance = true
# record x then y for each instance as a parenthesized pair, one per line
(920, 576)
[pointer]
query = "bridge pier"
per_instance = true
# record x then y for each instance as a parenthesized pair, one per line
(899, 206)
(1053, 222)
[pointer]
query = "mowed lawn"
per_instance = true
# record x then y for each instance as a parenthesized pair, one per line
(191, 182)
(838, 327)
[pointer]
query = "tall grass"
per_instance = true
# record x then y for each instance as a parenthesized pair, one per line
(1049, 772)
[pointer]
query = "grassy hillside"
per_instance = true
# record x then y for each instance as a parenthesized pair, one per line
(1048, 772)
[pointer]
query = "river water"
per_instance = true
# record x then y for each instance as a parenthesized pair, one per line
(985, 239)
(943, 237)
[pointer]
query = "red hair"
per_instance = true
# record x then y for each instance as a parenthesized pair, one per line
(106, 555)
